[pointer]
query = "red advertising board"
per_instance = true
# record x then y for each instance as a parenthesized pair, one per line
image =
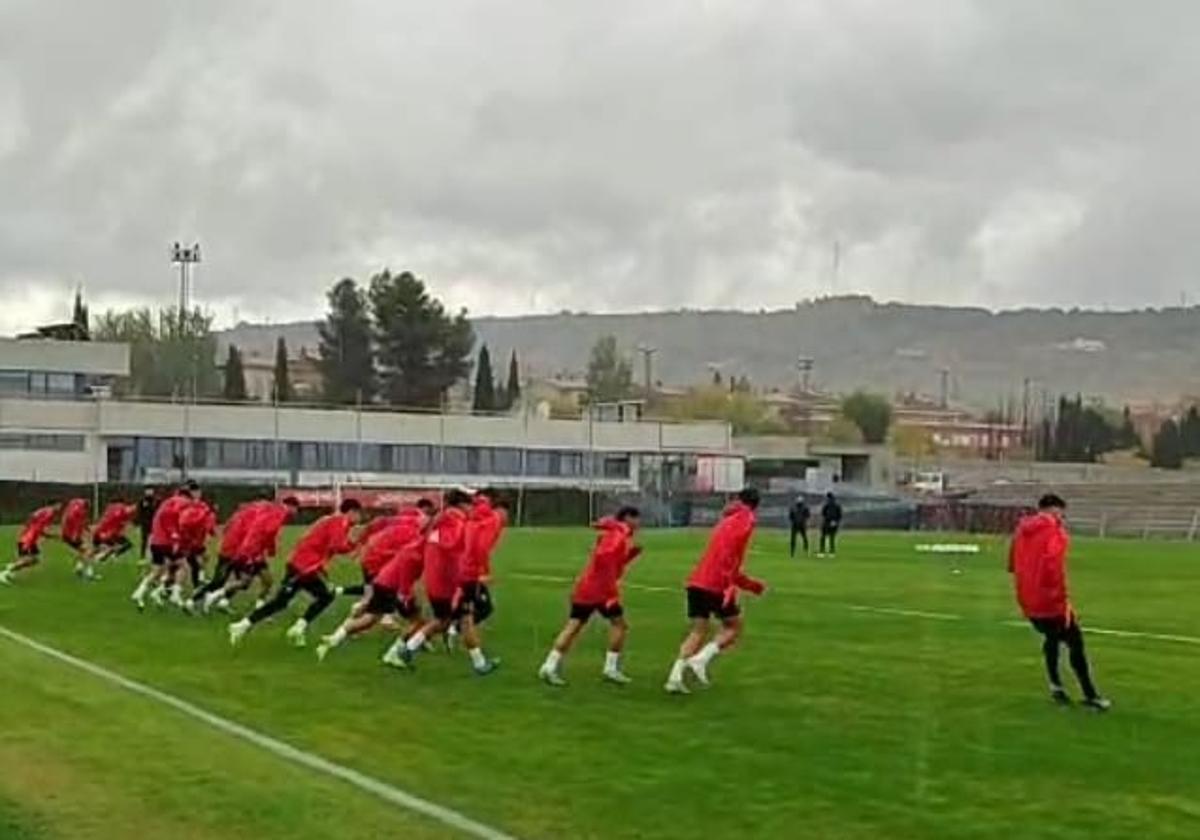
(371, 498)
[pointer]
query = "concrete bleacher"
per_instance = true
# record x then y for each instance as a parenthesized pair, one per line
(1116, 509)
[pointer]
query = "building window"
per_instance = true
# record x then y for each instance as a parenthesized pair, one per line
(42, 442)
(14, 382)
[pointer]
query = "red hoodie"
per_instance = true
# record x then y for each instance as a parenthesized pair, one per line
(483, 532)
(404, 531)
(328, 537)
(40, 520)
(74, 520)
(720, 567)
(115, 520)
(1038, 562)
(237, 527)
(164, 530)
(444, 551)
(613, 552)
(194, 522)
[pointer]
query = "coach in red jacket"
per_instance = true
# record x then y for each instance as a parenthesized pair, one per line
(1038, 562)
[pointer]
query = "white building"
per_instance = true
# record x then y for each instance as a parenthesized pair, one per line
(83, 440)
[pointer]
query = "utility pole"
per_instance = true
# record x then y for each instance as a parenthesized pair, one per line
(648, 367)
(945, 387)
(805, 365)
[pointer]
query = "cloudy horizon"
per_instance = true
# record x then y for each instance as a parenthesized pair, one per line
(557, 154)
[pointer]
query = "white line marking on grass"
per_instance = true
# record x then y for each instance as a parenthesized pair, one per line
(383, 790)
(935, 616)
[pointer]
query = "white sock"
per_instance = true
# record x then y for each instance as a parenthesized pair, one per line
(299, 627)
(177, 593)
(339, 636)
(394, 651)
(142, 588)
(477, 657)
(677, 671)
(612, 661)
(416, 641)
(707, 653)
(212, 597)
(259, 603)
(553, 658)
(452, 631)
(243, 624)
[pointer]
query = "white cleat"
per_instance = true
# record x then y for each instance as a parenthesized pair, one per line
(296, 636)
(237, 632)
(6, 578)
(699, 670)
(676, 687)
(323, 649)
(617, 677)
(551, 677)
(394, 661)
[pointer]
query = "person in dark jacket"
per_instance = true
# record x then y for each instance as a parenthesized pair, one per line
(831, 522)
(798, 516)
(146, 507)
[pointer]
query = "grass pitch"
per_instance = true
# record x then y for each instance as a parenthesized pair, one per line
(877, 695)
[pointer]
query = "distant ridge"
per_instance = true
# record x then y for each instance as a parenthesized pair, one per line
(855, 341)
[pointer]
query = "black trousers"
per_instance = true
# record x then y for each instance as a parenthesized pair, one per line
(145, 529)
(292, 586)
(1057, 632)
(800, 531)
(828, 539)
(220, 577)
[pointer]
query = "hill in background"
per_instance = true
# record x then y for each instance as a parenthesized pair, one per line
(855, 341)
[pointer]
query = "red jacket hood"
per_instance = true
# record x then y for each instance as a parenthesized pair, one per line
(609, 523)
(1036, 523)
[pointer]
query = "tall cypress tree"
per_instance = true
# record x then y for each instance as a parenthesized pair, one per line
(235, 376)
(513, 389)
(485, 387)
(80, 319)
(283, 381)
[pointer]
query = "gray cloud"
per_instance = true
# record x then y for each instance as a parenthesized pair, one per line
(563, 154)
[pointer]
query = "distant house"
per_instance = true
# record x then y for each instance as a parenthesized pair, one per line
(303, 372)
(957, 430)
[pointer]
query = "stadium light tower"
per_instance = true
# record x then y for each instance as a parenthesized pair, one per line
(805, 364)
(184, 257)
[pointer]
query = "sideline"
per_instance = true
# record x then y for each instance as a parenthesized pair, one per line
(388, 793)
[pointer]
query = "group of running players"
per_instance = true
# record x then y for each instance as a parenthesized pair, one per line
(447, 551)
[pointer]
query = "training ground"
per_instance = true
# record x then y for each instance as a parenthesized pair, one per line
(875, 696)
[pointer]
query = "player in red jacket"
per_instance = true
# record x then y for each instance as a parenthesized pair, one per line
(712, 590)
(74, 533)
(231, 538)
(415, 516)
(485, 524)
(249, 544)
(327, 538)
(164, 546)
(197, 522)
(108, 537)
(598, 591)
(29, 542)
(445, 553)
(1037, 560)
(394, 560)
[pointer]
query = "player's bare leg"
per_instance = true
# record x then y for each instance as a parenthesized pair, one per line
(20, 564)
(351, 627)
(473, 642)
(696, 638)
(617, 632)
(731, 629)
(549, 672)
(404, 649)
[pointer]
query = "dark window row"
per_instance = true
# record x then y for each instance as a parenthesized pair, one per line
(41, 442)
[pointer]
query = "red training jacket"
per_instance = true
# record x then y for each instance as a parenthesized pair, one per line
(1037, 559)
(614, 550)
(39, 521)
(328, 536)
(444, 550)
(404, 569)
(115, 520)
(236, 528)
(484, 528)
(74, 520)
(720, 567)
(194, 521)
(164, 529)
(262, 533)
(385, 544)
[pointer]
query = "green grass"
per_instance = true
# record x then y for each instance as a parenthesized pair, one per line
(827, 722)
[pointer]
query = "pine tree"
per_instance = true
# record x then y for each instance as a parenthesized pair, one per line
(1167, 449)
(283, 381)
(485, 388)
(345, 355)
(235, 376)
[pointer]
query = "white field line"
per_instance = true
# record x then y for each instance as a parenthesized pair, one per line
(384, 791)
(934, 616)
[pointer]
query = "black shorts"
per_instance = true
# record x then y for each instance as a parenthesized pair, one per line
(475, 600)
(76, 543)
(28, 550)
(443, 608)
(249, 568)
(382, 601)
(1056, 627)
(161, 555)
(582, 612)
(367, 578)
(704, 604)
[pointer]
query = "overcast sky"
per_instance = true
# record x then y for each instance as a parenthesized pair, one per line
(549, 154)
